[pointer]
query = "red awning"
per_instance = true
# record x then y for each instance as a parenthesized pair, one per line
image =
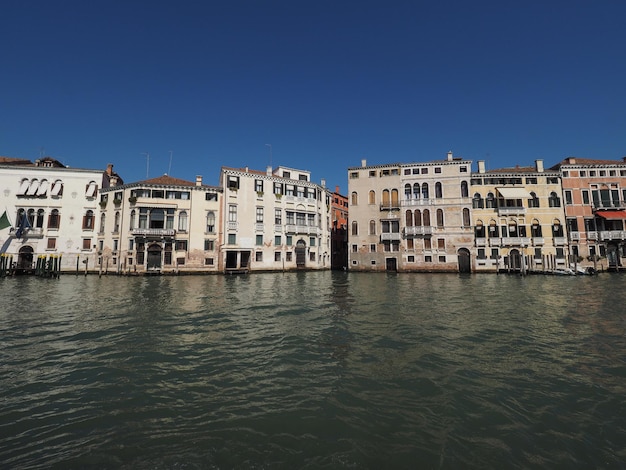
(612, 215)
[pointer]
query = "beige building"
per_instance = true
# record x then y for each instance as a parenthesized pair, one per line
(161, 225)
(274, 220)
(410, 216)
(519, 219)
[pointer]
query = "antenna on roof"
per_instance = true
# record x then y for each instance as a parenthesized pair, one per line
(270, 146)
(169, 168)
(147, 163)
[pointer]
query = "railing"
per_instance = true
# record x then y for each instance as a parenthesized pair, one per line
(592, 235)
(390, 206)
(304, 229)
(574, 235)
(515, 241)
(418, 202)
(232, 225)
(390, 236)
(504, 211)
(481, 241)
(560, 241)
(613, 235)
(422, 230)
(539, 241)
(154, 232)
(609, 205)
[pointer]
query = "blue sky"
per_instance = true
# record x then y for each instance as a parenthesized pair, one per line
(326, 83)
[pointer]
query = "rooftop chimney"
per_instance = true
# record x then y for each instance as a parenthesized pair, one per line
(110, 169)
(323, 183)
(364, 162)
(337, 187)
(199, 180)
(481, 166)
(268, 171)
(572, 160)
(539, 166)
(450, 156)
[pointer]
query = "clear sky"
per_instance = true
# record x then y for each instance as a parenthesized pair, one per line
(325, 83)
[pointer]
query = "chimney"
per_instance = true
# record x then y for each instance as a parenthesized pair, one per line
(364, 162)
(323, 183)
(268, 171)
(481, 166)
(337, 187)
(572, 160)
(199, 180)
(110, 169)
(539, 166)
(450, 156)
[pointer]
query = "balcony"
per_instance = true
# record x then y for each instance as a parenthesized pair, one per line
(495, 241)
(574, 236)
(230, 225)
(538, 241)
(481, 241)
(390, 206)
(515, 241)
(609, 205)
(302, 229)
(560, 241)
(417, 231)
(613, 235)
(390, 236)
(592, 235)
(506, 211)
(153, 232)
(418, 202)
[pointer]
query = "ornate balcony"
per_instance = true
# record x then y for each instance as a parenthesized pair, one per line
(390, 236)
(153, 232)
(417, 231)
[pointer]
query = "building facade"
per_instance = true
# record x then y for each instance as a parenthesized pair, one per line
(274, 220)
(518, 219)
(594, 195)
(161, 225)
(410, 216)
(60, 206)
(339, 230)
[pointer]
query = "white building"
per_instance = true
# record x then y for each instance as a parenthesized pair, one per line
(161, 225)
(274, 220)
(61, 206)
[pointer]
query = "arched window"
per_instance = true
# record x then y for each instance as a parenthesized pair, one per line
(466, 217)
(88, 220)
(407, 191)
(533, 201)
(490, 203)
(354, 198)
(535, 229)
(418, 218)
(54, 219)
(39, 221)
(210, 222)
(386, 199)
(438, 190)
(464, 189)
(426, 218)
(31, 217)
(355, 227)
(512, 228)
(554, 200)
(116, 225)
(557, 228)
(478, 202)
(440, 218)
(416, 190)
(395, 198)
(372, 197)
(493, 229)
(102, 222)
(425, 190)
(409, 218)
(372, 227)
(479, 230)
(133, 216)
(182, 221)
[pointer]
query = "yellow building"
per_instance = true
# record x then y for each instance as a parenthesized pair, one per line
(519, 219)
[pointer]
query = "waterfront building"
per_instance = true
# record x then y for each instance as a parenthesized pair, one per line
(56, 207)
(594, 195)
(410, 216)
(339, 230)
(160, 225)
(518, 219)
(274, 220)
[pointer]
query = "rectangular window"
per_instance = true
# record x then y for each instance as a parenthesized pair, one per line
(289, 240)
(495, 254)
(232, 238)
(259, 256)
(278, 216)
(259, 215)
(568, 196)
(181, 245)
(585, 193)
(438, 169)
(277, 256)
(312, 256)
(259, 240)
(52, 244)
(209, 262)
(288, 256)
(233, 182)
(411, 259)
(210, 197)
(180, 261)
(277, 240)
(258, 186)
(232, 213)
(537, 253)
(115, 245)
(354, 249)
(441, 243)
(482, 254)
(428, 259)
(424, 171)
(209, 245)
(86, 243)
(311, 241)
(463, 169)
(373, 248)
(442, 259)
(278, 188)
(131, 244)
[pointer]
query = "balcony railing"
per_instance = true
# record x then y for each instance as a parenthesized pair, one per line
(480, 241)
(539, 241)
(390, 236)
(613, 235)
(415, 231)
(592, 235)
(302, 229)
(609, 205)
(560, 241)
(390, 206)
(504, 211)
(418, 202)
(574, 235)
(230, 225)
(515, 241)
(153, 232)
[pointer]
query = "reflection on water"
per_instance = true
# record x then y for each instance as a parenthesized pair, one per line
(310, 370)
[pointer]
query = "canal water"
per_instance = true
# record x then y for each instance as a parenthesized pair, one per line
(313, 370)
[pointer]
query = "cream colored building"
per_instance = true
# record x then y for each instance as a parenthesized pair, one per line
(519, 219)
(410, 216)
(61, 205)
(161, 225)
(274, 220)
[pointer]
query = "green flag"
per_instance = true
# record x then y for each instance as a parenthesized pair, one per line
(4, 221)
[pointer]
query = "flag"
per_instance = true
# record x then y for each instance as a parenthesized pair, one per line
(4, 221)
(24, 225)
(5, 246)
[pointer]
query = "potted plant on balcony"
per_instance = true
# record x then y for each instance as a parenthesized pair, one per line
(103, 204)
(117, 202)
(132, 199)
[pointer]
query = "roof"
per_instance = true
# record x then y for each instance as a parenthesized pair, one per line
(587, 162)
(14, 161)
(515, 169)
(166, 180)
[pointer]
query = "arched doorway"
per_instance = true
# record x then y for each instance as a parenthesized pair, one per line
(154, 256)
(515, 260)
(464, 260)
(300, 253)
(25, 258)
